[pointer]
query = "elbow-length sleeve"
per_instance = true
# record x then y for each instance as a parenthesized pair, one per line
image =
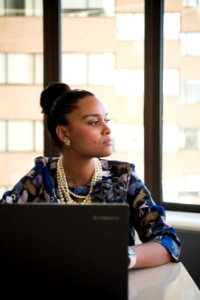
(149, 219)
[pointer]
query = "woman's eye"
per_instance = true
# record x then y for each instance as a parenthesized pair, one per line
(94, 123)
(97, 122)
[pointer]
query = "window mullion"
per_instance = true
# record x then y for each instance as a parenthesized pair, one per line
(153, 98)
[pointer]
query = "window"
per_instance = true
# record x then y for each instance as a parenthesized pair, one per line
(88, 68)
(190, 138)
(190, 91)
(38, 69)
(23, 140)
(3, 136)
(130, 26)
(14, 7)
(171, 138)
(115, 54)
(128, 138)
(22, 62)
(171, 26)
(191, 3)
(181, 122)
(3, 68)
(74, 68)
(88, 8)
(189, 45)
(21, 68)
(101, 69)
(30, 138)
(129, 82)
(20, 8)
(171, 82)
(38, 136)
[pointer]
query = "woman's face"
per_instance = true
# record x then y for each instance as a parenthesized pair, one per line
(88, 129)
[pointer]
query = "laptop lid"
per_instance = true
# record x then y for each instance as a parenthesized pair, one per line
(81, 249)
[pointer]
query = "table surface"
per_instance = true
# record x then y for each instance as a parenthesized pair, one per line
(170, 281)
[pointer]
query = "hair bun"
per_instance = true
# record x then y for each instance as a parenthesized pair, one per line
(50, 94)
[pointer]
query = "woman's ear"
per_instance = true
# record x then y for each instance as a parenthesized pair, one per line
(61, 132)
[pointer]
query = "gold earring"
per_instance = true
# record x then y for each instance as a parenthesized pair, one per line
(67, 142)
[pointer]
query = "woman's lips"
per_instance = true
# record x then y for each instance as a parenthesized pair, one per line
(108, 142)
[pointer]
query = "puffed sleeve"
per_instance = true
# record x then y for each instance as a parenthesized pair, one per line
(37, 185)
(149, 219)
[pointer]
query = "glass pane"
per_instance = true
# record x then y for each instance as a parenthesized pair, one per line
(181, 132)
(21, 81)
(105, 54)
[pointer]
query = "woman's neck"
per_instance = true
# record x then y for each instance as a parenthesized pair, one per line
(78, 171)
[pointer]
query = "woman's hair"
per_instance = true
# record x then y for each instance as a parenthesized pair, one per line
(57, 101)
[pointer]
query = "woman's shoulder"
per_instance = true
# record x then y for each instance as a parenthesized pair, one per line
(116, 166)
(46, 161)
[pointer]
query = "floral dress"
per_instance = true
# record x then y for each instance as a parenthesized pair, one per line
(119, 183)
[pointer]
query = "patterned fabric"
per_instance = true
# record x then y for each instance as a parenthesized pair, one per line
(120, 183)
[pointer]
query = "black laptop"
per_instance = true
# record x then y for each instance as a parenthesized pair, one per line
(80, 250)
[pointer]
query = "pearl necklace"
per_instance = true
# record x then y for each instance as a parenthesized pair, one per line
(63, 187)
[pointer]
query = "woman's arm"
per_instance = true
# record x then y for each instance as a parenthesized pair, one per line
(160, 243)
(150, 254)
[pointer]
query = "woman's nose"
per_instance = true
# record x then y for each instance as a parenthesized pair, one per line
(107, 129)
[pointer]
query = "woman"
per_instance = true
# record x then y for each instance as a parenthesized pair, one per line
(78, 125)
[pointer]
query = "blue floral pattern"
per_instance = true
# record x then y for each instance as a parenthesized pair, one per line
(120, 183)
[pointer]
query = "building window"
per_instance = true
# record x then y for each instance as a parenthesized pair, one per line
(88, 8)
(128, 138)
(189, 45)
(22, 62)
(38, 136)
(38, 69)
(171, 26)
(74, 68)
(88, 68)
(101, 69)
(184, 190)
(129, 82)
(172, 144)
(191, 3)
(3, 135)
(21, 8)
(22, 141)
(2, 68)
(171, 82)
(130, 26)
(190, 138)
(21, 136)
(190, 91)
(30, 66)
